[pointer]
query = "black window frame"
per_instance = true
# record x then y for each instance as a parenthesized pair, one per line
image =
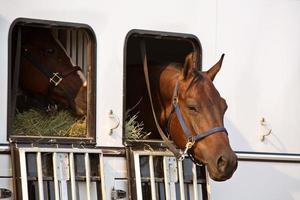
(91, 94)
(155, 35)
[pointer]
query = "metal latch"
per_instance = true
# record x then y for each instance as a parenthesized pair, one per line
(5, 193)
(62, 167)
(171, 169)
(117, 194)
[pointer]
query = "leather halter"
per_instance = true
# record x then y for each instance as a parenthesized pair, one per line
(55, 78)
(191, 139)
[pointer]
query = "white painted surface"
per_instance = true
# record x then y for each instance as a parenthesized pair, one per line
(260, 75)
(260, 181)
(260, 78)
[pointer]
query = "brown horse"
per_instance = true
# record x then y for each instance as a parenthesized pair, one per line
(202, 110)
(46, 70)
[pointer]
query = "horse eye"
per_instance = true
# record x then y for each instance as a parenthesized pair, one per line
(192, 108)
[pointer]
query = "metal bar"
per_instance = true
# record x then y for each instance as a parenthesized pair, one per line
(208, 188)
(152, 178)
(101, 168)
(173, 177)
(88, 176)
(79, 48)
(72, 176)
(83, 64)
(23, 174)
(63, 190)
(249, 156)
(155, 153)
(40, 175)
(181, 183)
(68, 45)
(195, 184)
(59, 150)
(138, 176)
(63, 175)
(74, 46)
(55, 180)
(166, 177)
(268, 157)
(4, 149)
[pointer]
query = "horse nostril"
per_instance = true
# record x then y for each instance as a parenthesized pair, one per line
(221, 163)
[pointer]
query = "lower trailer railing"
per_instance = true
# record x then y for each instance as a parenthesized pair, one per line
(158, 175)
(68, 169)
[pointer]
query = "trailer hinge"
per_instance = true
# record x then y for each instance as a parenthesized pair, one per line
(5, 193)
(117, 194)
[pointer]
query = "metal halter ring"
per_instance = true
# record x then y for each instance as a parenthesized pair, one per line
(56, 78)
(175, 101)
(190, 143)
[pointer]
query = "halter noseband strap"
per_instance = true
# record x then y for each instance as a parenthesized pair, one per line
(190, 137)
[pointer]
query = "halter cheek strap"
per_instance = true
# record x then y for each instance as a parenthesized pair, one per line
(191, 139)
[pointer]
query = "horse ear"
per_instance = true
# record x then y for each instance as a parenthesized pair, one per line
(189, 65)
(212, 72)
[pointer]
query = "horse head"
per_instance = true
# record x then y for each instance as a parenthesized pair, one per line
(47, 70)
(201, 113)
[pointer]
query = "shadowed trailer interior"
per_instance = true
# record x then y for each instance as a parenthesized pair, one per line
(162, 48)
(41, 50)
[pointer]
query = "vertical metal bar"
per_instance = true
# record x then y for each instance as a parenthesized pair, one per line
(63, 175)
(102, 179)
(166, 177)
(79, 49)
(74, 45)
(88, 176)
(138, 177)
(181, 182)
(152, 178)
(68, 43)
(23, 175)
(72, 176)
(40, 175)
(83, 53)
(195, 184)
(208, 188)
(173, 176)
(55, 180)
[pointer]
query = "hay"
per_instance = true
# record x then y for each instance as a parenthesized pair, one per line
(35, 122)
(135, 129)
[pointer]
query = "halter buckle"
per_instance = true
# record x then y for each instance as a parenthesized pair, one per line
(56, 78)
(175, 101)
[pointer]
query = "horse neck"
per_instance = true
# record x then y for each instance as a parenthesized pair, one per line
(164, 81)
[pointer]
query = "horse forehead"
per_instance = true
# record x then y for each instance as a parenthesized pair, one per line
(204, 89)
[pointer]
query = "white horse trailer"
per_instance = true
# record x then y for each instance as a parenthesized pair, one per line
(259, 81)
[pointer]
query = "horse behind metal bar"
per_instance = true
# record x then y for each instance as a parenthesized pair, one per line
(191, 110)
(46, 70)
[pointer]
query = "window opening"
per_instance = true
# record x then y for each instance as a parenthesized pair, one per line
(51, 81)
(162, 48)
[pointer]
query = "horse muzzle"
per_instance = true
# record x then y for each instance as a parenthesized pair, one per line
(223, 167)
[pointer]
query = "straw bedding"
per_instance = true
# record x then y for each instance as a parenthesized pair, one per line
(35, 122)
